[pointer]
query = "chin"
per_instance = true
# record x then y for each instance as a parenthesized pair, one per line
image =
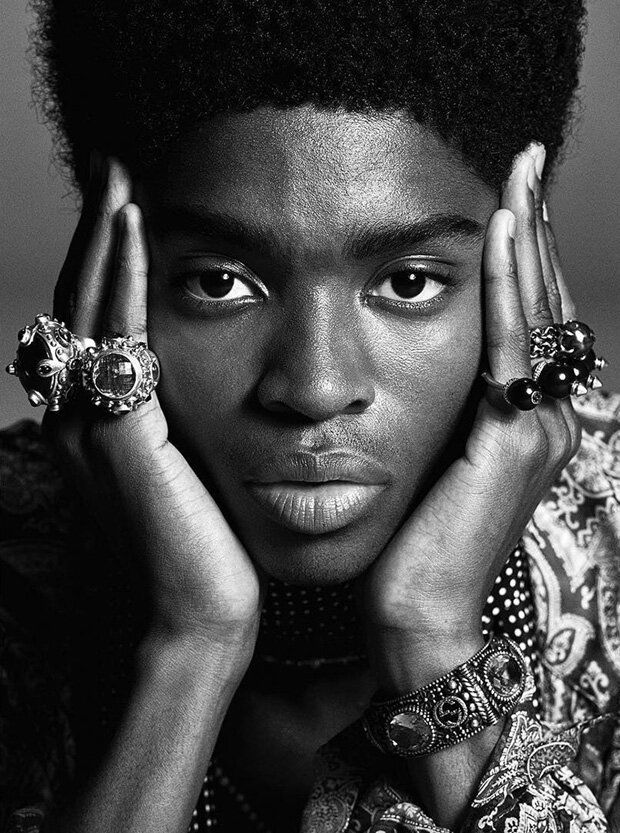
(316, 560)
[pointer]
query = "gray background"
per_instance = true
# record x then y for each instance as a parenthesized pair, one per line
(38, 210)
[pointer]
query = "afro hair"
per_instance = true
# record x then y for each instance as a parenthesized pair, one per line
(128, 76)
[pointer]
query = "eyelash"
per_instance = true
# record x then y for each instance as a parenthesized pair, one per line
(223, 306)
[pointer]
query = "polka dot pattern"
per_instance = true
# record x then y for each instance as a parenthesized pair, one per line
(509, 610)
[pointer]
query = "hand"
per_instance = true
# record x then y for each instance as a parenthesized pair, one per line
(428, 588)
(147, 499)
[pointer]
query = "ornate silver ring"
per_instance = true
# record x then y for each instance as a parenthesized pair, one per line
(119, 374)
(48, 362)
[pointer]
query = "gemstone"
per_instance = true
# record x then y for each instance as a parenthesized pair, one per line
(577, 338)
(524, 394)
(409, 731)
(28, 357)
(504, 674)
(114, 375)
(556, 379)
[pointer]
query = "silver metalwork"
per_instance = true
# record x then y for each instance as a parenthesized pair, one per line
(545, 342)
(48, 362)
(119, 374)
(453, 708)
(499, 386)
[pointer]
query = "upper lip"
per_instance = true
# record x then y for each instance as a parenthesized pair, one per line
(309, 467)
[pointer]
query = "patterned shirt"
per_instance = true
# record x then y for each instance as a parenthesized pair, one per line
(555, 768)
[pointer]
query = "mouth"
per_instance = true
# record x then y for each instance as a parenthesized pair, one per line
(316, 494)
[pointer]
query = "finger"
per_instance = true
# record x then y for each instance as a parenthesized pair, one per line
(568, 311)
(94, 271)
(548, 271)
(126, 310)
(65, 284)
(518, 196)
(507, 333)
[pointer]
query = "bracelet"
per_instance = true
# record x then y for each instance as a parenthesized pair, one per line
(453, 708)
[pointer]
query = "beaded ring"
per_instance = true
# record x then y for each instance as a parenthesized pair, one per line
(564, 366)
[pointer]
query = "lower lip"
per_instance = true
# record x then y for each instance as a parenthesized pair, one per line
(315, 508)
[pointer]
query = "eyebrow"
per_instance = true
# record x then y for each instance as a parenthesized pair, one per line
(363, 242)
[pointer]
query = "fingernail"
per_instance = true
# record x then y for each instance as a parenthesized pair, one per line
(511, 226)
(539, 154)
(533, 180)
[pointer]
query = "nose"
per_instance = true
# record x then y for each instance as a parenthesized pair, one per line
(318, 367)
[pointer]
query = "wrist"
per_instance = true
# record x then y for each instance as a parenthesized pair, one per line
(212, 655)
(405, 661)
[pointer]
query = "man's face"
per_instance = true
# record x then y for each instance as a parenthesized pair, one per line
(315, 303)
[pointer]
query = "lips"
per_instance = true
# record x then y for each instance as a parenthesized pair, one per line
(316, 493)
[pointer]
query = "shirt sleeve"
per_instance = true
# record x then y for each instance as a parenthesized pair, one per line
(528, 786)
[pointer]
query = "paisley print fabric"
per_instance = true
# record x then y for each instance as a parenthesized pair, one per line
(556, 766)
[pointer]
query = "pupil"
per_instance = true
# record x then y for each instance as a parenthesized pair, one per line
(217, 284)
(407, 284)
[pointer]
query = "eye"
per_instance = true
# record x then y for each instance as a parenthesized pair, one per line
(408, 284)
(219, 285)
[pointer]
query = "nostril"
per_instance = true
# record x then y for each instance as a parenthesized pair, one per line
(357, 406)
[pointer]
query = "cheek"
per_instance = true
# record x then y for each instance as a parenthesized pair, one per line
(428, 371)
(205, 378)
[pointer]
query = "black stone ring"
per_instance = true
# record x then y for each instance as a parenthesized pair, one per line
(524, 394)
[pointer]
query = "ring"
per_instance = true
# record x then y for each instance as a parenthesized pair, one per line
(523, 393)
(119, 374)
(573, 338)
(48, 362)
(563, 378)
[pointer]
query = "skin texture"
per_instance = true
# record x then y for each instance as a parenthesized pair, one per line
(318, 360)
(316, 366)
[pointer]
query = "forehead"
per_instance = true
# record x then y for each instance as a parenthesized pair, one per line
(308, 170)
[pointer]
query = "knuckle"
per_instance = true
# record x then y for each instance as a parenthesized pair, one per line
(538, 204)
(499, 272)
(527, 221)
(511, 342)
(106, 209)
(104, 214)
(539, 308)
(553, 294)
(517, 340)
(125, 322)
(552, 243)
(128, 264)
